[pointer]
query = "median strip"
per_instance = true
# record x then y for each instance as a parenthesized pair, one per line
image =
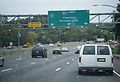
(6, 69)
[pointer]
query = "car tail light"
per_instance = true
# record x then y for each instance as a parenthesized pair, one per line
(112, 60)
(79, 59)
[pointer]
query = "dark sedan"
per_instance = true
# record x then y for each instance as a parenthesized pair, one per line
(39, 51)
(57, 51)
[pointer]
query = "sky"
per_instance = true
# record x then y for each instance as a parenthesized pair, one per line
(17, 7)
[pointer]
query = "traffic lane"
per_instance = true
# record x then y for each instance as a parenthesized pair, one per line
(62, 70)
(23, 61)
(23, 72)
(117, 64)
(16, 61)
(69, 73)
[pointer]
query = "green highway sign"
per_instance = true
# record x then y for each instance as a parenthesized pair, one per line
(68, 18)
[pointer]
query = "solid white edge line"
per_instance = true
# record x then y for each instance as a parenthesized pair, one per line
(116, 73)
(6, 69)
(58, 69)
(33, 63)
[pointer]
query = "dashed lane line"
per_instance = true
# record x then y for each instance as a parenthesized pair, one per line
(68, 63)
(73, 59)
(46, 59)
(116, 73)
(6, 70)
(33, 62)
(58, 69)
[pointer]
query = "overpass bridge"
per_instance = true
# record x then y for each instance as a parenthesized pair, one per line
(95, 18)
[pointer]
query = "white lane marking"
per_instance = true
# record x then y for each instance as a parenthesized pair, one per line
(33, 63)
(75, 57)
(59, 55)
(68, 63)
(116, 73)
(6, 69)
(48, 53)
(46, 59)
(72, 59)
(19, 58)
(58, 69)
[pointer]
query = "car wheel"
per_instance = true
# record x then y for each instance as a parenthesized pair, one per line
(110, 72)
(46, 56)
(53, 52)
(2, 63)
(43, 56)
(79, 71)
(32, 56)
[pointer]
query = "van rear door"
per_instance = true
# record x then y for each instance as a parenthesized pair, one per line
(88, 58)
(104, 56)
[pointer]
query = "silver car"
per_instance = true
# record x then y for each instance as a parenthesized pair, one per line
(1, 61)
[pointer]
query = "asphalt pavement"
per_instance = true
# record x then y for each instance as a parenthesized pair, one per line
(54, 68)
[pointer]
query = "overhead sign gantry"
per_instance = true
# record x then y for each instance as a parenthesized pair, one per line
(68, 18)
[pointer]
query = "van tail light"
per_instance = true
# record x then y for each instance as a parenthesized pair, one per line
(112, 60)
(79, 59)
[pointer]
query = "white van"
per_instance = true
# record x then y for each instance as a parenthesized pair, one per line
(95, 57)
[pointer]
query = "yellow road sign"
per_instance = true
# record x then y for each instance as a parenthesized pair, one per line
(34, 24)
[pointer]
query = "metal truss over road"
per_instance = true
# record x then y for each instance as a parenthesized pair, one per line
(97, 18)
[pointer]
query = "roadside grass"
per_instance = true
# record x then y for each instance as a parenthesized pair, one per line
(12, 52)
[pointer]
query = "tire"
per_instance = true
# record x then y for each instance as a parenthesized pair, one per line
(2, 63)
(46, 56)
(43, 56)
(79, 71)
(53, 52)
(32, 56)
(110, 72)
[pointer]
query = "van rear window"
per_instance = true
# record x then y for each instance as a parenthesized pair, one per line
(89, 50)
(103, 50)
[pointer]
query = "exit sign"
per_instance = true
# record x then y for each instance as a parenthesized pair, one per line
(68, 18)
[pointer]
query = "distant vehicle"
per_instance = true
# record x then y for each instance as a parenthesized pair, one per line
(39, 51)
(78, 49)
(95, 57)
(51, 45)
(1, 61)
(89, 42)
(59, 44)
(57, 51)
(10, 47)
(24, 46)
(64, 49)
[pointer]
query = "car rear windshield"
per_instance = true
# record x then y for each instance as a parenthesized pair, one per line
(89, 50)
(103, 50)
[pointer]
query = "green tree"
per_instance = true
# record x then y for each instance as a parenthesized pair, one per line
(116, 29)
(31, 37)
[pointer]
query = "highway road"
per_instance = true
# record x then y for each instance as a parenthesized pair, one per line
(54, 68)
